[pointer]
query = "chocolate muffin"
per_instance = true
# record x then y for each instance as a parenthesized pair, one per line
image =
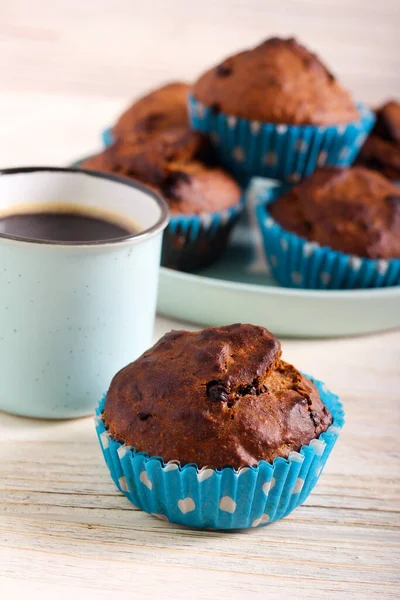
(381, 150)
(172, 163)
(162, 109)
(217, 397)
(355, 211)
(204, 200)
(278, 81)
(147, 157)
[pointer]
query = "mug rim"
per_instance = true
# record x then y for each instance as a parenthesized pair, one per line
(160, 224)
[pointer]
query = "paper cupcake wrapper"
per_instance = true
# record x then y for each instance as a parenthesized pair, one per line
(283, 152)
(191, 242)
(298, 263)
(225, 498)
(107, 137)
(194, 241)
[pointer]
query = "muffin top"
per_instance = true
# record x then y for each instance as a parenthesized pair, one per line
(388, 121)
(217, 397)
(278, 81)
(171, 162)
(381, 150)
(161, 109)
(356, 211)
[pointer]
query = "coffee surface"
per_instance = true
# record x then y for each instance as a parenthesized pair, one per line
(67, 227)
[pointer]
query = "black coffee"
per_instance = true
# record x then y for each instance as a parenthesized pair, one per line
(53, 226)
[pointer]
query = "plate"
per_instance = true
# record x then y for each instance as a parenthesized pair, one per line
(239, 288)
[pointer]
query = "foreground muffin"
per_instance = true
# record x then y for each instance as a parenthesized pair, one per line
(339, 228)
(276, 110)
(161, 109)
(381, 150)
(204, 200)
(257, 430)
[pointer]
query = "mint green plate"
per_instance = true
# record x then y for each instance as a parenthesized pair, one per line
(238, 288)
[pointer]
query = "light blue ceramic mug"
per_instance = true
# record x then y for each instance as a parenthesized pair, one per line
(72, 315)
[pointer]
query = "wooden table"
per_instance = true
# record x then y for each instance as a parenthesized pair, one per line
(67, 69)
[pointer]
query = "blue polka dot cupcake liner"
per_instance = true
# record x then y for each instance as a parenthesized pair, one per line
(220, 498)
(297, 263)
(107, 137)
(285, 152)
(191, 242)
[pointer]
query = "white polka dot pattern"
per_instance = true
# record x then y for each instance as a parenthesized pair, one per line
(263, 519)
(298, 486)
(268, 485)
(227, 504)
(318, 471)
(145, 480)
(255, 126)
(232, 121)
(122, 484)
(309, 248)
(238, 154)
(104, 440)
(383, 266)
(270, 159)
(297, 277)
(269, 222)
(171, 467)
(206, 220)
(186, 505)
(322, 157)
(355, 263)
(301, 146)
(242, 471)
(122, 450)
(204, 474)
(284, 244)
(325, 277)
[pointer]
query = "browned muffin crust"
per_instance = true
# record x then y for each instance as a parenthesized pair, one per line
(278, 81)
(171, 162)
(356, 211)
(388, 121)
(147, 156)
(161, 109)
(217, 397)
(381, 150)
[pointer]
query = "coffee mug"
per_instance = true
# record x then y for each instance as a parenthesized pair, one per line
(72, 315)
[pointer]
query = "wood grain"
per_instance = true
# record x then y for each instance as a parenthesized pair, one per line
(64, 524)
(67, 69)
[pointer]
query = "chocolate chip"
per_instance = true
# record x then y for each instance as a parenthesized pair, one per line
(170, 183)
(307, 226)
(143, 416)
(217, 392)
(223, 70)
(248, 390)
(215, 108)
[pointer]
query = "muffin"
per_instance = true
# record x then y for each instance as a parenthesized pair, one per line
(204, 200)
(338, 229)
(277, 111)
(213, 429)
(381, 150)
(162, 109)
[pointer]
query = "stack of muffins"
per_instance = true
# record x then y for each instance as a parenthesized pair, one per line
(274, 111)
